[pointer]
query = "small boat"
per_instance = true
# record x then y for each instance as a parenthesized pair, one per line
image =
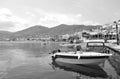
(82, 57)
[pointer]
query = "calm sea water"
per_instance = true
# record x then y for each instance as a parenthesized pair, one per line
(32, 61)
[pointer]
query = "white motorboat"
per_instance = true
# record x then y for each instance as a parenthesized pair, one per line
(96, 53)
(81, 57)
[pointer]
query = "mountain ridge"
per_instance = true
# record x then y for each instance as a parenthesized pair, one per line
(68, 29)
(38, 30)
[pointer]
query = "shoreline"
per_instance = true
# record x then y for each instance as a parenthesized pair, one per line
(23, 42)
(29, 42)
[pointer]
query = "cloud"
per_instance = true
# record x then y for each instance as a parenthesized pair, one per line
(30, 13)
(5, 11)
(53, 19)
(90, 23)
(10, 22)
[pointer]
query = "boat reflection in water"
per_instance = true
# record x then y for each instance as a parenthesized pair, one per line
(87, 70)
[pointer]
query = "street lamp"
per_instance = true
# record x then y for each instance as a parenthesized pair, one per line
(117, 31)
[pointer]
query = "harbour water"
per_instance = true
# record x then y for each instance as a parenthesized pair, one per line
(33, 61)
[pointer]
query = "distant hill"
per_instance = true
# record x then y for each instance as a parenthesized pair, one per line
(68, 29)
(41, 31)
(32, 31)
(5, 34)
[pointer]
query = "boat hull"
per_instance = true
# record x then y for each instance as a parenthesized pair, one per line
(80, 61)
(81, 58)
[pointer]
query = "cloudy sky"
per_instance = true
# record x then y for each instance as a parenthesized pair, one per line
(20, 14)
